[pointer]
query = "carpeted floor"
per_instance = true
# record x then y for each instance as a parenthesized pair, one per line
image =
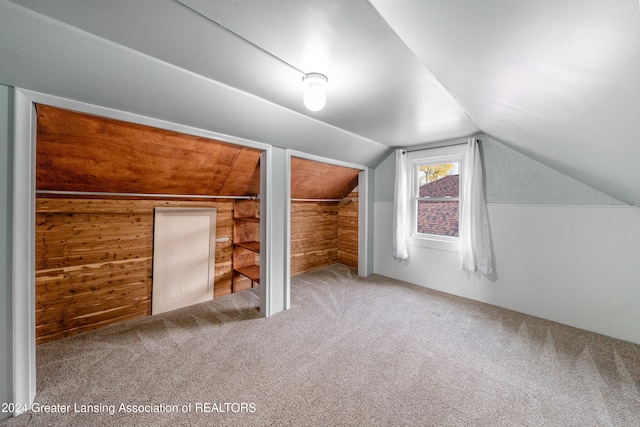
(350, 351)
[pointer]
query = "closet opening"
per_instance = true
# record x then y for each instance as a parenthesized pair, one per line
(324, 215)
(98, 183)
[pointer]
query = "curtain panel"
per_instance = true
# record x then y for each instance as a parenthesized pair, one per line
(475, 240)
(401, 221)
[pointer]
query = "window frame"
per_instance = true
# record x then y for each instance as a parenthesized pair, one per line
(448, 154)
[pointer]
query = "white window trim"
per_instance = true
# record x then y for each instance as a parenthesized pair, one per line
(449, 154)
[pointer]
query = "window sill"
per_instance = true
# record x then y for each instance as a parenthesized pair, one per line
(442, 244)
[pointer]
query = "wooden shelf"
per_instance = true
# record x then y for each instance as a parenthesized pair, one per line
(252, 246)
(246, 244)
(252, 272)
(248, 219)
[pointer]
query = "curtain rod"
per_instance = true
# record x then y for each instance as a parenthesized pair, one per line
(438, 145)
(173, 196)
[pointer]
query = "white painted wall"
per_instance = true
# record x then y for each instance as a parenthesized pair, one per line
(6, 246)
(576, 263)
(22, 202)
(366, 189)
(274, 231)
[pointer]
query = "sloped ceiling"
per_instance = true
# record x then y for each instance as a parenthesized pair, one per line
(316, 180)
(557, 80)
(83, 153)
(160, 59)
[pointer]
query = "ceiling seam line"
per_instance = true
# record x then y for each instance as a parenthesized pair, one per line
(230, 169)
(219, 25)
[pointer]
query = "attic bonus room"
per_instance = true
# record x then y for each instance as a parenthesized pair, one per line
(311, 212)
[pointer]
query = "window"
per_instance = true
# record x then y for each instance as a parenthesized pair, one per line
(435, 196)
(437, 199)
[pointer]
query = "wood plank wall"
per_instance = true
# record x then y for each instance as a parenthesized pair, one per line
(94, 261)
(314, 235)
(94, 256)
(348, 230)
(324, 233)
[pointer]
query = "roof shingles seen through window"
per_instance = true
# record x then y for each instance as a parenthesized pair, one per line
(439, 217)
(443, 187)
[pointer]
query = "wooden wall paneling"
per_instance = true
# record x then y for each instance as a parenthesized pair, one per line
(314, 235)
(242, 283)
(315, 180)
(315, 226)
(348, 230)
(246, 231)
(244, 257)
(324, 233)
(244, 176)
(94, 255)
(224, 249)
(85, 153)
(94, 261)
(223, 273)
(246, 209)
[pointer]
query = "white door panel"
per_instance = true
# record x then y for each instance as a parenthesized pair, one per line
(183, 257)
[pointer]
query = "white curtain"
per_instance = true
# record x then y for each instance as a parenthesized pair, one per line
(401, 208)
(475, 250)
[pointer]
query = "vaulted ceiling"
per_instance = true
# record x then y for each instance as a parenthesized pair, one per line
(557, 80)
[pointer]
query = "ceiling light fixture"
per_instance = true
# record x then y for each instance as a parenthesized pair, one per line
(314, 96)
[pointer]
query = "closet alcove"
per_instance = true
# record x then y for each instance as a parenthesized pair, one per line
(99, 182)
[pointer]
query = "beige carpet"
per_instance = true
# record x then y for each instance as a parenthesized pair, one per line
(351, 351)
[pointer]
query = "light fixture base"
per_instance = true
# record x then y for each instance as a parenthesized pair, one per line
(314, 79)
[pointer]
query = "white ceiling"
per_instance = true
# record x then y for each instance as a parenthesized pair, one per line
(558, 80)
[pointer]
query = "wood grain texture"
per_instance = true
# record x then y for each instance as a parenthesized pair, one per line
(315, 180)
(246, 244)
(244, 176)
(348, 230)
(314, 235)
(80, 152)
(94, 261)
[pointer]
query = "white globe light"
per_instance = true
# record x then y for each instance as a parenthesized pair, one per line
(314, 96)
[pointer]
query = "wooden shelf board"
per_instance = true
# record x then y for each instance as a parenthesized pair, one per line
(252, 272)
(252, 246)
(248, 219)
